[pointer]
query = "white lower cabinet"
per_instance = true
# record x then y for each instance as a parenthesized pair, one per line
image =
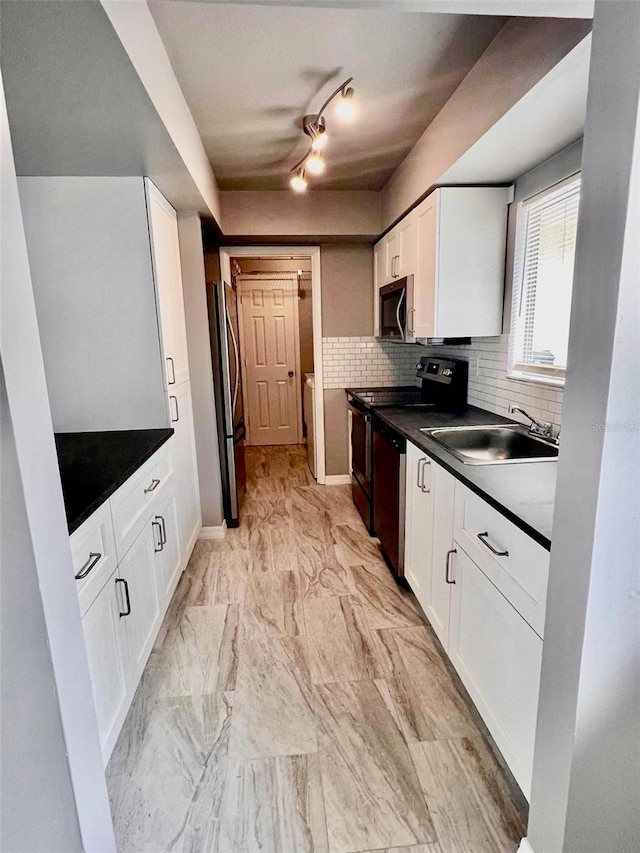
(438, 603)
(106, 644)
(167, 547)
(138, 580)
(498, 657)
(486, 608)
(185, 464)
(123, 603)
(418, 554)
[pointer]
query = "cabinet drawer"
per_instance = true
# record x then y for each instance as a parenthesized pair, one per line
(498, 658)
(93, 552)
(512, 561)
(132, 504)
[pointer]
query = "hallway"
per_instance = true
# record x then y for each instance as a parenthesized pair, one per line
(296, 699)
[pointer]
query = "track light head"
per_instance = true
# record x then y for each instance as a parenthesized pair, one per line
(346, 107)
(316, 128)
(298, 182)
(314, 163)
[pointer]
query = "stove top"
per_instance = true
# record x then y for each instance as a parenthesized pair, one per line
(378, 397)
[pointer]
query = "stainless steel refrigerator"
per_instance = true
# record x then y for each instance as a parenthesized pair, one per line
(227, 386)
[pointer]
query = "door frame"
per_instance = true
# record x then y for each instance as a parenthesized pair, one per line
(313, 252)
(269, 276)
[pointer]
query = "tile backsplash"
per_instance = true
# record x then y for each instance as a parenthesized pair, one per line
(364, 361)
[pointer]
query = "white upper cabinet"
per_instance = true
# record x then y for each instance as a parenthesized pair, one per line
(453, 243)
(163, 226)
(379, 279)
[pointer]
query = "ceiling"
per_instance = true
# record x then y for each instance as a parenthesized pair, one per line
(249, 73)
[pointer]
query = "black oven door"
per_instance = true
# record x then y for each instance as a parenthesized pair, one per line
(393, 310)
(361, 447)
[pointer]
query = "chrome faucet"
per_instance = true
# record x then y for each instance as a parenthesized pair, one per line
(539, 428)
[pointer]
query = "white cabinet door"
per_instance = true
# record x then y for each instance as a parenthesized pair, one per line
(379, 279)
(141, 607)
(408, 248)
(167, 548)
(183, 446)
(419, 524)
(392, 255)
(498, 657)
(439, 590)
(105, 640)
(424, 286)
(163, 226)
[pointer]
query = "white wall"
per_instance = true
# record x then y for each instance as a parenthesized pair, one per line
(90, 259)
(199, 346)
(48, 675)
(586, 775)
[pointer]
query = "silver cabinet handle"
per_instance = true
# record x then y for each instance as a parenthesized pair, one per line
(483, 538)
(153, 485)
(91, 563)
(447, 576)
(420, 469)
(158, 546)
(163, 530)
(175, 401)
(171, 381)
(424, 489)
(127, 599)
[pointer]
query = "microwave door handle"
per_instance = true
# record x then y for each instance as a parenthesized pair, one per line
(400, 301)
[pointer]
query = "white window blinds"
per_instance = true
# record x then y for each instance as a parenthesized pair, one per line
(543, 280)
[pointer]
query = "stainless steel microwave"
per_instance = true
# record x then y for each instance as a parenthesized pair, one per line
(396, 310)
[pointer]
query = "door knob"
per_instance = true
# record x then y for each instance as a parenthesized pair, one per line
(291, 374)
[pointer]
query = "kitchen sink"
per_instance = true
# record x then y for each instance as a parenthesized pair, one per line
(492, 445)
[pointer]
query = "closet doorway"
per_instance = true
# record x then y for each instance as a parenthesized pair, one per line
(279, 304)
(270, 345)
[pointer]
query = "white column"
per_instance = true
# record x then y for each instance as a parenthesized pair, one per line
(586, 779)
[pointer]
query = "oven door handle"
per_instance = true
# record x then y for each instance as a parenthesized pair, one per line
(367, 447)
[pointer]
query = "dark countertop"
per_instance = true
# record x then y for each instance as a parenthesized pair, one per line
(93, 465)
(523, 492)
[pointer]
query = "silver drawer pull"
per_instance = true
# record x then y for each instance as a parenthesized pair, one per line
(91, 563)
(483, 538)
(447, 576)
(152, 487)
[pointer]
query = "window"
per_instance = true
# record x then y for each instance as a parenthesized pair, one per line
(545, 249)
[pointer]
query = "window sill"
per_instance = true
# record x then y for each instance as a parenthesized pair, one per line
(536, 378)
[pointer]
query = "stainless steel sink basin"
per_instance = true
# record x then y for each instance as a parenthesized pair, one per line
(492, 445)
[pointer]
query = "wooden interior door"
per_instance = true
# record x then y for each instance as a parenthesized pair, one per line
(271, 358)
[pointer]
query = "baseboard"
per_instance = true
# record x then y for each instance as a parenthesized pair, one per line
(213, 532)
(525, 847)
(337, 480)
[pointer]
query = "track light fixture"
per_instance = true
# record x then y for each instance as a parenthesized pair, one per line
(315, 127)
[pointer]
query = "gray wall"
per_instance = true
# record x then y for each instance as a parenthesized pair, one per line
(522, 53)
(38, 811)
(347, 290)
(347, 311)
(199, 349)
(586, 777)
(90, 259)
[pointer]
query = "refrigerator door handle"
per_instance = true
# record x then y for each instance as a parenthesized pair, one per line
(236, 355)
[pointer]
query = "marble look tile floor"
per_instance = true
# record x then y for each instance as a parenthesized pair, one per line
(296, 700)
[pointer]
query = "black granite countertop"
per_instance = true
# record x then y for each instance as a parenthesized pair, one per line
(523, 492)
(93, 465)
